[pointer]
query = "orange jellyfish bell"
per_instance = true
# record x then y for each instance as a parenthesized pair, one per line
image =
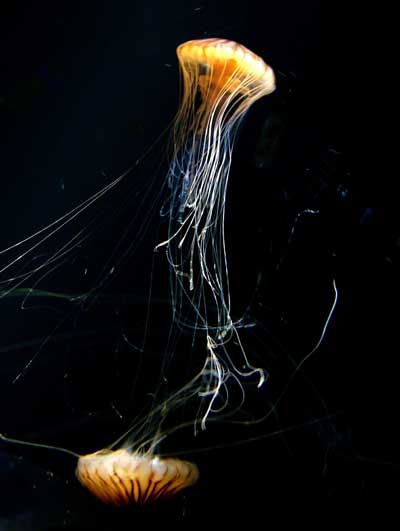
(223, 70)
(123, 477)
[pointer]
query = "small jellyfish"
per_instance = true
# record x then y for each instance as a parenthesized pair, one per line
(123, 477)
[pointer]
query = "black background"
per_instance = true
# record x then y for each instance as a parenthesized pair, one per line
(85, 89)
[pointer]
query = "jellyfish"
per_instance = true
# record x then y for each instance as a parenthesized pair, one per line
(221, 79)
(122, 477)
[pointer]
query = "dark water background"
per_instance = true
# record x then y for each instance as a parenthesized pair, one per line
(86, 88)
